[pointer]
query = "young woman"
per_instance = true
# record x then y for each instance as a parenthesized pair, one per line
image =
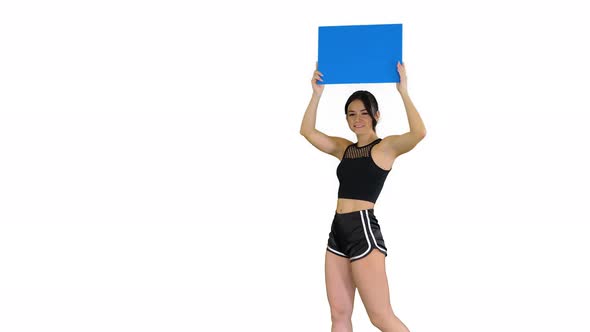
(351, 262)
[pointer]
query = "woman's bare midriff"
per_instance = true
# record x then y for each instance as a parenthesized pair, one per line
(346, 205)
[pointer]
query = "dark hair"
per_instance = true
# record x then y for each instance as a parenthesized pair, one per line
(368, 100)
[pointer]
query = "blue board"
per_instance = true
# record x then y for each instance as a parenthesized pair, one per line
(359, 53)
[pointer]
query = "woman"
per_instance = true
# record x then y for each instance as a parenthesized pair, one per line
(351, 262)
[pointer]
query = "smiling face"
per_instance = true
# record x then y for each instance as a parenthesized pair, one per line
(358, 117)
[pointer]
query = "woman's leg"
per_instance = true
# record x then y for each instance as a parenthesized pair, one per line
(370, 278)
(341, 290)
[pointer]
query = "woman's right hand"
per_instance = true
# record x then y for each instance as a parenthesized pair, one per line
(317, 76)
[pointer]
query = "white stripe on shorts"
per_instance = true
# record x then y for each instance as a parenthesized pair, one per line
(371, 230)
(366, 236)
(336, 251)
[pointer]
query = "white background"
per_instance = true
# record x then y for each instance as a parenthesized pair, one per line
(152, 175)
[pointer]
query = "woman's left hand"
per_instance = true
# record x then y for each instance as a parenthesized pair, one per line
(402, 86)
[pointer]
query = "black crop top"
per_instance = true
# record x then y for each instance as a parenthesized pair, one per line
(359, 176)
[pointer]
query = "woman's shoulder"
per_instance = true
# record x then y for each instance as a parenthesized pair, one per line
(343, 145)
(343, 141)
(381, 156)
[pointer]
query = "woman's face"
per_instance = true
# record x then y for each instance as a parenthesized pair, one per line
(359, 119)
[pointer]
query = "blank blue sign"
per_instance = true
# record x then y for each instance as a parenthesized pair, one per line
(359, 53)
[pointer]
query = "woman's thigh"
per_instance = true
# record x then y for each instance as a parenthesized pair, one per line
(339, 284)
(370, 278)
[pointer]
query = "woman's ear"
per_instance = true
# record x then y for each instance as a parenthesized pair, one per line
(377, 116)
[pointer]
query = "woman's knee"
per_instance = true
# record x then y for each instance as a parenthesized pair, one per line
(381, 318)
(341, 312)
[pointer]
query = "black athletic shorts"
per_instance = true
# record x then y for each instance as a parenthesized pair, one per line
(355, 234)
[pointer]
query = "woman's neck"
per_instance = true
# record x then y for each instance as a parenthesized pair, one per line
(366, 139)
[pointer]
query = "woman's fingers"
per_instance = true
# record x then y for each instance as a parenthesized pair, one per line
(402, 72)
(317, 75)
